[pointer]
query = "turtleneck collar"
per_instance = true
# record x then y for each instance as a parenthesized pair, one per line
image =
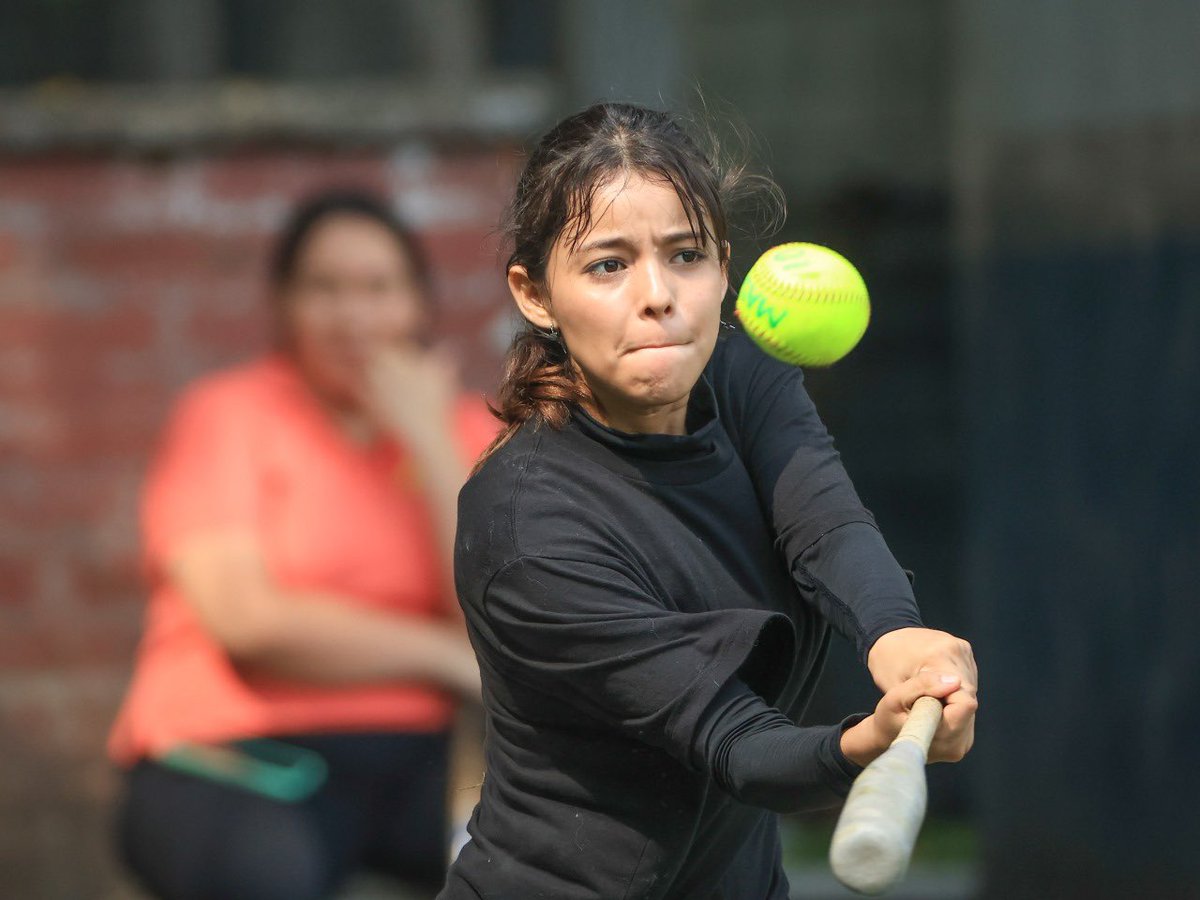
(701, 453)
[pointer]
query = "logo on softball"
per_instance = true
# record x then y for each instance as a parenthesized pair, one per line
(804, 304)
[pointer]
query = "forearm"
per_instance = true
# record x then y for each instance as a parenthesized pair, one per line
(442, 479)
(328, 640)
(852, 577)
(442, 473)
(834, 553)
(758, 756)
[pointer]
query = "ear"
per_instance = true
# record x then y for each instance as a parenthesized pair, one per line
(528, 297)
(727, 257)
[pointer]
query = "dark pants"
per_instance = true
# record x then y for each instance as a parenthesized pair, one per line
(382, 807)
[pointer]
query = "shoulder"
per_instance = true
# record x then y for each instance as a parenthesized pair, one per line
(738, 365)
(252, 386)
(532, 497)
(506, 485)
(747, 382)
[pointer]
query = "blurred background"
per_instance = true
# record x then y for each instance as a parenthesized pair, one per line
(1018, 181)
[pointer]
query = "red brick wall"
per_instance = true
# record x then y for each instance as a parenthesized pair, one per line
(121, 278)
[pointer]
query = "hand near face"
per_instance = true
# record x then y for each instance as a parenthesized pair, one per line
(410, 392)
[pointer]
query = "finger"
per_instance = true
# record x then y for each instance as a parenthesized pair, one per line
(964, 668)
(926, 684)
(957, 729)
(952, 750)
(449, 362)
(956, 733)
(964, 695)
(959, 708)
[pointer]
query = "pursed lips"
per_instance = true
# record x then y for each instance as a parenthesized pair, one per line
(656, 346)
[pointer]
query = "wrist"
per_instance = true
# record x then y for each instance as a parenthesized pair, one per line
(433, 439)
(439, 472)
(860, 743)
(889, 658)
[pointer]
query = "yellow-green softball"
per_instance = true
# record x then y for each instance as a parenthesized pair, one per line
(804, 304)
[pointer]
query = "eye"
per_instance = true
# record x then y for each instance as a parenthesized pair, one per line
(689, 256)
(606, 267)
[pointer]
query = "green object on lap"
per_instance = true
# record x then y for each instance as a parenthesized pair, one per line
(273, 769)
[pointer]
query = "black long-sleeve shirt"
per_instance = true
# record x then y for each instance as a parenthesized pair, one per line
(650, 614)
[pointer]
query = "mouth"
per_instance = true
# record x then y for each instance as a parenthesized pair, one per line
(660, 345)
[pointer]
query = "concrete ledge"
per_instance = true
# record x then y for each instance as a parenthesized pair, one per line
(74, 115)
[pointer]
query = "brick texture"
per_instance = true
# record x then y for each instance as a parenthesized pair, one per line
(121, 279)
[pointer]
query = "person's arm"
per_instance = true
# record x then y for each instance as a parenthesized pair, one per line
(830, 542)
(583, 634)
(411, 393)
(588, 644)
(828, 539)
(309, 636)
(760, 757)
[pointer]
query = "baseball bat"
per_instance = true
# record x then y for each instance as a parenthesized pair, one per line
(878, 826)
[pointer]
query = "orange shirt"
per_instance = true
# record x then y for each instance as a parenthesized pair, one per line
(251, 447)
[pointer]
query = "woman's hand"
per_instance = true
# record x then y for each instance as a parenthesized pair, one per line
(901, 654)
(410, 392)
(863, 742)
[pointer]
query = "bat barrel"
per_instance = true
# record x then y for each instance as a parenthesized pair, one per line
(879, 823)
(878, 826)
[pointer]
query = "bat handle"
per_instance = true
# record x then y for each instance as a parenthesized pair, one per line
(922, 723)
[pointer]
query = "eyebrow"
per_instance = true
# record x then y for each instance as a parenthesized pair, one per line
(674, 237)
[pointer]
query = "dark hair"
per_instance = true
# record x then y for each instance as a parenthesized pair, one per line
(554, 198)
(310, 213)
(313, 210)
(316, 208)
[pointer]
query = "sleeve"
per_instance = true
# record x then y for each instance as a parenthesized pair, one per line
(760, 757)
(586, 634)
(205, 474)
(830, 542)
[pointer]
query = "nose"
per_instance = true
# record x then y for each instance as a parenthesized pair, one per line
(350, 317)
(656, 294)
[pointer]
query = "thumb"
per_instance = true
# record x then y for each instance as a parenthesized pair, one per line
(926, 683)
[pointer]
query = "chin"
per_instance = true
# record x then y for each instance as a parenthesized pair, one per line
(662, 391)
(339, 385)
(674, 371)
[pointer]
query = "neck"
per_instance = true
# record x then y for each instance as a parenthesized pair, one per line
(667, 418)
(348, 417)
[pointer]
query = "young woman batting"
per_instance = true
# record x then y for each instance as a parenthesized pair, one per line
(654, 552)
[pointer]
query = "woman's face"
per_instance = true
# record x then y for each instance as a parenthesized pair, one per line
(638, 303)
(353, 292)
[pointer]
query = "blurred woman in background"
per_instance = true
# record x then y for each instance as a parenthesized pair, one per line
(303, 652)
